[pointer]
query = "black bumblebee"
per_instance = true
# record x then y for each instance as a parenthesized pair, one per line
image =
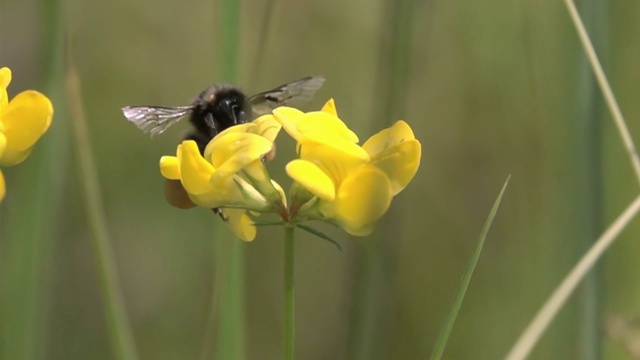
(214, 110)
(219, 107)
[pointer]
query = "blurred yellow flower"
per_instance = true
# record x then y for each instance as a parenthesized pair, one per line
(23, 120)
(230, 174)
(349, 185)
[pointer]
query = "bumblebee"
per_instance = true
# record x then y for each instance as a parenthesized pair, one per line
(216, 108)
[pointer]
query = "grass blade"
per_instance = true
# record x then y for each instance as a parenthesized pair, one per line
(605, 87)
(541, 321)
(466, 279)
(118, 324)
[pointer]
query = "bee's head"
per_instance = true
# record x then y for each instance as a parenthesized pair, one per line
(233, 109)
(218, 108)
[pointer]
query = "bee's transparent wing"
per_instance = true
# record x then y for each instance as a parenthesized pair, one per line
(299, 90)
(155, 120)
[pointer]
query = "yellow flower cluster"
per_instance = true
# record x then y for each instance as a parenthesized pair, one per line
(335, 179)
(23, 120)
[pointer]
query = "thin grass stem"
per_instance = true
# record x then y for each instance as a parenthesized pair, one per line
(605, 88)
(554, 303)
(118, 325)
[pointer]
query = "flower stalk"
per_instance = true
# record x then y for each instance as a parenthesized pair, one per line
(289, 295)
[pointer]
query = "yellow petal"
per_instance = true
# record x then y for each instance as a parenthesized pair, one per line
(279, 188)
(312, 178)
(195, 171)
(267, 126)
(400, 163)
(5, 77)
(231, 152)
(397, 133)
(363, 197)
(288, 117)
(240, 224)
(170, 167)
(4, 101)
(336, 158)
(26, 118)
(330, 108)
(324, 124)
(3, 189)
(240, 128)
(3, 143)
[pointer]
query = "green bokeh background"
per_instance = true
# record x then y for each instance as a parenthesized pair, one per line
(490, 88)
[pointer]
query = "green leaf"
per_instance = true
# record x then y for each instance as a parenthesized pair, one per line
(466, 279)
(321, 235)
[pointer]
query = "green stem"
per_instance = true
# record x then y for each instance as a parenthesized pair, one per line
(231, 327)
(289, 298)
(117, 322)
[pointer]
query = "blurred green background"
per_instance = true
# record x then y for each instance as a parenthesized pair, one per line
(490, 88)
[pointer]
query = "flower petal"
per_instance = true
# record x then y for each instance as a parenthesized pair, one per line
(26, 118)
(400, 163)
(363, 197)
(312, 178)
(170, 167)
(5, 77)
(3, 143)
(288, 117)
(4, 101)
(267, 126)
(397, 133)
(195, 171)
(330, 108)
(233, 151)
(336, 157)
(396, 152)
(3, 189)
(240, 224)
(324, 124)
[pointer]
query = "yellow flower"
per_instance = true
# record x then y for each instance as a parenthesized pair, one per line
(230, 174)
(23, 120)
(335, 179)
(345, 183)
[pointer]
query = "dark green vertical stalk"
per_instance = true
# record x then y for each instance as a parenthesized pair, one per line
(590, 113)
(29, 218)
(378, 260)
(289, 294)
(230, 336)
(229, 20)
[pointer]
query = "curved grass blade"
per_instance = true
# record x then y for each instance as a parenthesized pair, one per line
(122, 339)
(466, 279)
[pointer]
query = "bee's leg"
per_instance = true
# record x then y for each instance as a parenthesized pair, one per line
(211, 124)
(219, 212)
